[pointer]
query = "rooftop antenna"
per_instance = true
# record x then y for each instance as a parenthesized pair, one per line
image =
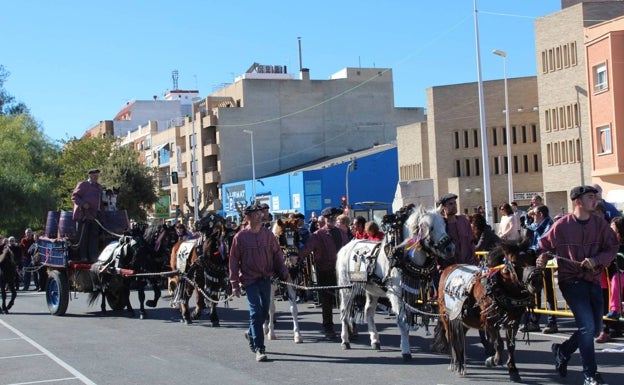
(300, 60)
(174, 76)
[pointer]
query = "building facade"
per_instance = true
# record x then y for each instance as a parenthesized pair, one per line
(605, 62)
(363, 181)
(562, 73)
(447, 148)
(286, 123)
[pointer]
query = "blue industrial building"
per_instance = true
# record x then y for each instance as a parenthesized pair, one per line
(366, 180)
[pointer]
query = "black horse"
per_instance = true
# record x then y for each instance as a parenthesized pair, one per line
(137, 259)
(8, 278)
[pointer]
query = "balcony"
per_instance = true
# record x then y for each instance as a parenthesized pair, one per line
(209, 121)
(211, 177)
(210, 149)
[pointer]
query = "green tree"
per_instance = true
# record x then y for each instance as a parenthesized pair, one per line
(28, 174)
(120, 169)
(8, 105)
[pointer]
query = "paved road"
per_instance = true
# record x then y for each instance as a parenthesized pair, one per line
(85, 347)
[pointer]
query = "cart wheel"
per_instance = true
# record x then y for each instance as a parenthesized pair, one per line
(57, 292)
(117, 297)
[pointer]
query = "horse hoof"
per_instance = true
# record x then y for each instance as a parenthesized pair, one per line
(150, 303)
(215, 324)
(142, 316)
(345, 346)
(514, 376)
(489, 362)
(298, 340)
(407, 357)
(376, 346)
(186, 321)
(271, 336)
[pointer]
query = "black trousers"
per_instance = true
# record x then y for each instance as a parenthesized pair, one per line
(89, 232)
(327, 298)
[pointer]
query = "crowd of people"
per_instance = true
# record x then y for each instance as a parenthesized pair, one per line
(590, 276)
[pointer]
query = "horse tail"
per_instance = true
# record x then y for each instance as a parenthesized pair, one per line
(93, 297)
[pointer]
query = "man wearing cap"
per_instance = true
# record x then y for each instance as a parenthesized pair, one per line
(610, 210)
(458, 228)
(325, 243)
(304, 233)
(583, 244)
(255, 257)
(87, 198)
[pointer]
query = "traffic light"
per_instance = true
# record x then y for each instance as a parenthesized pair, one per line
(174, 177)
(354, 164)
(343, 203)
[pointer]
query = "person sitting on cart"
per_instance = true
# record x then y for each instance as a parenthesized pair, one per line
(87, 198)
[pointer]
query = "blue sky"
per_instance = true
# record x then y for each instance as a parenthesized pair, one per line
(76, 62)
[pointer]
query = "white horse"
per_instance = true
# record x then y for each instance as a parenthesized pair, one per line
(287, 233)
(413, 238)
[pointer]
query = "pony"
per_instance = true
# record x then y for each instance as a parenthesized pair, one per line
(8, 278)
(490, 298)
(202, 267)
(414, 239)
(134, 260)
(287, 233)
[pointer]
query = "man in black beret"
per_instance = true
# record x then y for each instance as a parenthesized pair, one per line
(584, 245)
(325, 243)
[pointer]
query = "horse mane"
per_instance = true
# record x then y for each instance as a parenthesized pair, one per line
(151, 231)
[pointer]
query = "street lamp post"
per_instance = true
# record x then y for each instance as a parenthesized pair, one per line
(253, 166)
(503, 54)
(487, 194)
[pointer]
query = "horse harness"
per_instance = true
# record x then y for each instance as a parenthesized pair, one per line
(460, 283)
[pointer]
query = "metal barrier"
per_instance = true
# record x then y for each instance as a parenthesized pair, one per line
(560, 307)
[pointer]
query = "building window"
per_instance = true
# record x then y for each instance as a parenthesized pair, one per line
(573, 58)
(467, 167)
(477, 167)
(547, 120)
(576, 116)
(561, 118)
(600, 78)
(506, 165)
(564, 152)
(496, 165)
(549, 155)
(494, 137)
(551, 61)
(558, 57)
(554, 119)
(566, 56)
(457, 168)
(466, 145)
(544, 62)
(456, 137)
(571, 153)
(604, 140)
(524, 134)
(514, 135)
(556, 153)
(534, 133)
(515, 164)
(535, 163)
(475, 138)
(504, 136)
(577, 149)
(525, 160)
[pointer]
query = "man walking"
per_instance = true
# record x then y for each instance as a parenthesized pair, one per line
(255, 257)
(583, 244)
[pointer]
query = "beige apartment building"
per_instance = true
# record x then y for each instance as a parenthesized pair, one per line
(562, 78)
(447, 148)
(284, 122)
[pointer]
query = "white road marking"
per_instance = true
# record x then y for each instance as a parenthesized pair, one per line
(54, 358)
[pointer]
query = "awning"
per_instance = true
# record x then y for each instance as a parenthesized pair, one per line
(160, 147)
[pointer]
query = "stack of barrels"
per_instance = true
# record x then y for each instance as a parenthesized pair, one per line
(60, 224)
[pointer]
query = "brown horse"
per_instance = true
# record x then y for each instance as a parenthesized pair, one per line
(488, 298)
(203, 264)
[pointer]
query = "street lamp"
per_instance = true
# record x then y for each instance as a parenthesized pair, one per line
(253, 166)
(503, 54)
